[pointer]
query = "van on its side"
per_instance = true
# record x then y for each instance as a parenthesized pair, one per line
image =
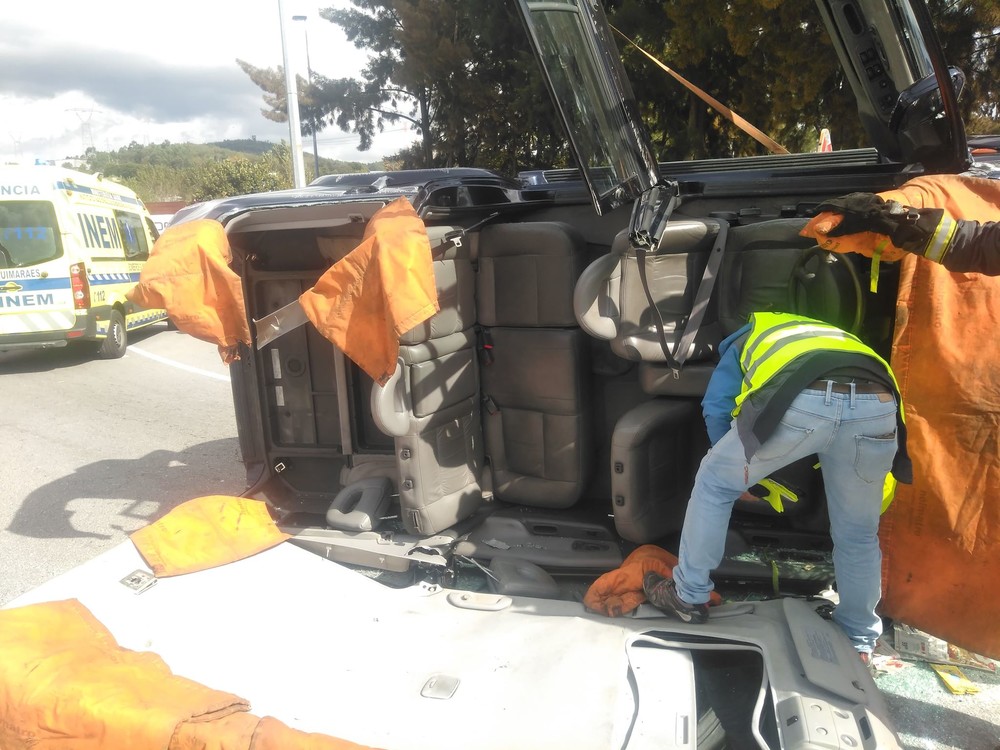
(71, 245)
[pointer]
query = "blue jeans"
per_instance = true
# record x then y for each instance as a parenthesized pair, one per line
(854, 436)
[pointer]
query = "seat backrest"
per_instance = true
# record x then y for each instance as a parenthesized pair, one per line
(536, 375)
(768, 266)
(430, 406)
(611, 300)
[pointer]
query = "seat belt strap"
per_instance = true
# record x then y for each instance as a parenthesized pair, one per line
(676, 358)
(702, 297)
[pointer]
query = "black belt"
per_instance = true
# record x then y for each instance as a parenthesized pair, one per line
(860, 386)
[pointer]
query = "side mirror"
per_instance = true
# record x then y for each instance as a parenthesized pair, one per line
(921, 101)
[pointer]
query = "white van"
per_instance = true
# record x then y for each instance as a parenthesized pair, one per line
(71, 246)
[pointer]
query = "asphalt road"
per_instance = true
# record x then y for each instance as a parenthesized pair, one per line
(95, 449)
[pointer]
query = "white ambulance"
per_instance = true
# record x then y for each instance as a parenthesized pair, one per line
(71, 246)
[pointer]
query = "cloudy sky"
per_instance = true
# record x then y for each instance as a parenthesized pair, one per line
(106, 73)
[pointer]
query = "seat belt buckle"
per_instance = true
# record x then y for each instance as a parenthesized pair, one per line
(485, 347)
(491, 406)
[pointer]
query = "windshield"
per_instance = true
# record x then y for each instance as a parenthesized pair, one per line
(28, 233)
(594, 97)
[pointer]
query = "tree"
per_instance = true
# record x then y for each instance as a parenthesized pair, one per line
(742, 53)
(459, 72)
(969, 31)
(239, 175)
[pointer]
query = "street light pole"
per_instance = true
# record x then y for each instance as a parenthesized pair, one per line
(292, 100)
(309, 73)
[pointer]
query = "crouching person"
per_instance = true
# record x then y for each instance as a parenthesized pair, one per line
(787, 387)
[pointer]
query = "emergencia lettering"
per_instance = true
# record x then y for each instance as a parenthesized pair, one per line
(19, 190)
(100, 231)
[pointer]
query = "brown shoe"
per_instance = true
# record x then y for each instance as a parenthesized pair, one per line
(663, 595)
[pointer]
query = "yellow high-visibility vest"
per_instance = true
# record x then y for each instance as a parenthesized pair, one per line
(776, 339)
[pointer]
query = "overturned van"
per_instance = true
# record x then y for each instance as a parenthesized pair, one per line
(544, 423)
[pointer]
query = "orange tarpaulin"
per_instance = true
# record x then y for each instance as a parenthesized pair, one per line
(188, 275)
(66, 684)
(941, 536)
(619, 591)
(207, 532)
(379, 291)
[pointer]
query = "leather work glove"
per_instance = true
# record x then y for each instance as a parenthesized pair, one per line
(855, 223)
(861, 212)
(910, 229)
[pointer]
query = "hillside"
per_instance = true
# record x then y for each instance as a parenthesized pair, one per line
(188, 171)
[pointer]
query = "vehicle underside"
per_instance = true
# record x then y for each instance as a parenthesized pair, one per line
(535, 417)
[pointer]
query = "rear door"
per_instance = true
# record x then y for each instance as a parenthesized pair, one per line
(35, 292)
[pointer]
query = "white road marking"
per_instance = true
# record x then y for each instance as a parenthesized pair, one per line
(178, 365)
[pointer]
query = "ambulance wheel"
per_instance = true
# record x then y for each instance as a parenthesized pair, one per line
(114, 345)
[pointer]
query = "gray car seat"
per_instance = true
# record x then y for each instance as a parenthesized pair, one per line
(535, 370)
(430, 405)
(656, 446)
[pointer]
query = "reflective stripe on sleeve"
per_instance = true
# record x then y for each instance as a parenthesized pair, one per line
(937, 248)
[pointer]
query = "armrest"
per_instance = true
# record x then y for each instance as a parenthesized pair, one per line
(390, 404)
(595, 298)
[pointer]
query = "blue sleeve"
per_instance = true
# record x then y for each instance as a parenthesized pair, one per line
(723, 388)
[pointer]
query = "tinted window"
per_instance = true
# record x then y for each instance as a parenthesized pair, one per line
(28, 233)
(133, 235)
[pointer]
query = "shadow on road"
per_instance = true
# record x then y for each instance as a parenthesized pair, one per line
(133, 492)
(77, 353)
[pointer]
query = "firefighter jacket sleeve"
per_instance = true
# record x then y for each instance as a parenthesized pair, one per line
(863, 222)
(973, 248)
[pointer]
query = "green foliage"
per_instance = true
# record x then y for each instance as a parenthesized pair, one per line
(239, 175)
(969, 31)
(458, 72)
(741, 53)
(190, 171)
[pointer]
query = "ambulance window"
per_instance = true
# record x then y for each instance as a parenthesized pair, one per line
(153, 232)
(133, 236)
(28, 233)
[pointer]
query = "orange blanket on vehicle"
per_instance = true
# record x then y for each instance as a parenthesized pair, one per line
(941, 535)
(188, 275)
(378, 292)
(206, 532)
(619, 591)
(66, 683)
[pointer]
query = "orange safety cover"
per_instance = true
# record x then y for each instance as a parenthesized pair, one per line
(66, 684)
(941, 535)
(379, 291)
(188, 275)
(207, 532)
(619, 591)
(249, 732)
